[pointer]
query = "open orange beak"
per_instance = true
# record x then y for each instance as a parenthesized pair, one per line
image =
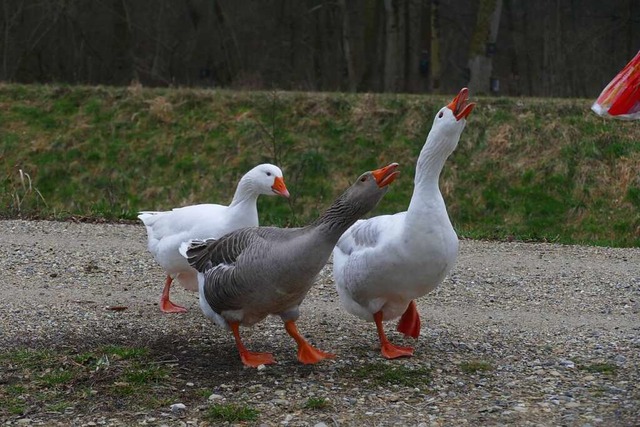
(386, 175)
(278, 187)
(460, 106)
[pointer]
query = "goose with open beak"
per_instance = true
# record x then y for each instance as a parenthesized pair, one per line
(253, 272)
(382, 264)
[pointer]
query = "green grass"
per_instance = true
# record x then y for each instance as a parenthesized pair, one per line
(55, 380)
(145, 375)
(601, 368)
(13, 399)
(525, 169)
(475, 367)
(317, 403)
(231, 413)
(387, 374)
(126, 352)
(58, 406)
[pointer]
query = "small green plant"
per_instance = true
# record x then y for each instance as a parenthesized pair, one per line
(125, 352)
(204, 392)
(26, 191)
(57, 377)
(13, 401)
(124, 389)
(15, 390)
(15, 407)
(231, 413)
(58, 406)
(382, 374)
(25, 357)
(144, 374)
(602, 368)
(317, 403)
(84, 358)
(475, 367)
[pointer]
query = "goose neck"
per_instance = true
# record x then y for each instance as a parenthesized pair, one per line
(245, 193)
(429, 167)
(336, 219)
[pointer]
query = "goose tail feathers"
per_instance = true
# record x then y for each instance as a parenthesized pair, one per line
(195, 251)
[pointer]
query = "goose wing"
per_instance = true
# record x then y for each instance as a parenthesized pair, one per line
(367, 233)
(203, 255)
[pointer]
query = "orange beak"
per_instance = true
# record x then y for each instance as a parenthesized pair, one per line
(278, 187)
(386, 175)
(460, 106)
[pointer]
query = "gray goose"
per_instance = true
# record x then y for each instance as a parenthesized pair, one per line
(250, 273)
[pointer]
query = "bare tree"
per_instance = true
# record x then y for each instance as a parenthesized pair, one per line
(394, 44)
(11, 13)
(434, 57)
(483, 45)
(546, 47)
(346, 47)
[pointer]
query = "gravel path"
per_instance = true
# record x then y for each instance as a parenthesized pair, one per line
(556, 328)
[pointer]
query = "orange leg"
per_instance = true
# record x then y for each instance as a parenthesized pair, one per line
(249, 358)
(165, 304)
(389, 350)
(307, 354)
(409, 323)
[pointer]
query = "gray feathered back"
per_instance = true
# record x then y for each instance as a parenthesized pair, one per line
(206, 254)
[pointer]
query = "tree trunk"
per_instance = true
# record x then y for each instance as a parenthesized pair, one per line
(158, 64)
(123, 61)
(434, 58)
(424, 44)
(392, 49)
(373, 76)
(413, 27)
(9, 18)
(483, 43)
(346, 47)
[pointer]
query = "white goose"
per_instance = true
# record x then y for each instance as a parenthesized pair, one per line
(382, 264)
(167, 230)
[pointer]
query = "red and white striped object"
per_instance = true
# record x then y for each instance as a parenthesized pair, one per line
(621, 98)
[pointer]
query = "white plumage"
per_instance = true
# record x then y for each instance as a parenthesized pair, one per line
(167, 230)
(382, 264)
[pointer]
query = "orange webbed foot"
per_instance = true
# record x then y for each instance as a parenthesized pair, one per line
(409, 323)
(390, 351)
(254, 359)
(308, 354)
(166, 306)
(249, 358)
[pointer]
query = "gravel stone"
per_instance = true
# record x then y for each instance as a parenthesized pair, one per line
(540, 317)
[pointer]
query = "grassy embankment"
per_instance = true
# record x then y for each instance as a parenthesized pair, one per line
(530, 169)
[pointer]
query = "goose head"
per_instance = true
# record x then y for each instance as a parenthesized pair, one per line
(450, 121)
(369, 188)
(266, 179)
(460, 107)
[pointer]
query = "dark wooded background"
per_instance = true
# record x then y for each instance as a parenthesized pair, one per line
(565, 48)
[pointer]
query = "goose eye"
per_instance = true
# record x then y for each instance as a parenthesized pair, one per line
(363, 179)
(440, 114)
(268, 173)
